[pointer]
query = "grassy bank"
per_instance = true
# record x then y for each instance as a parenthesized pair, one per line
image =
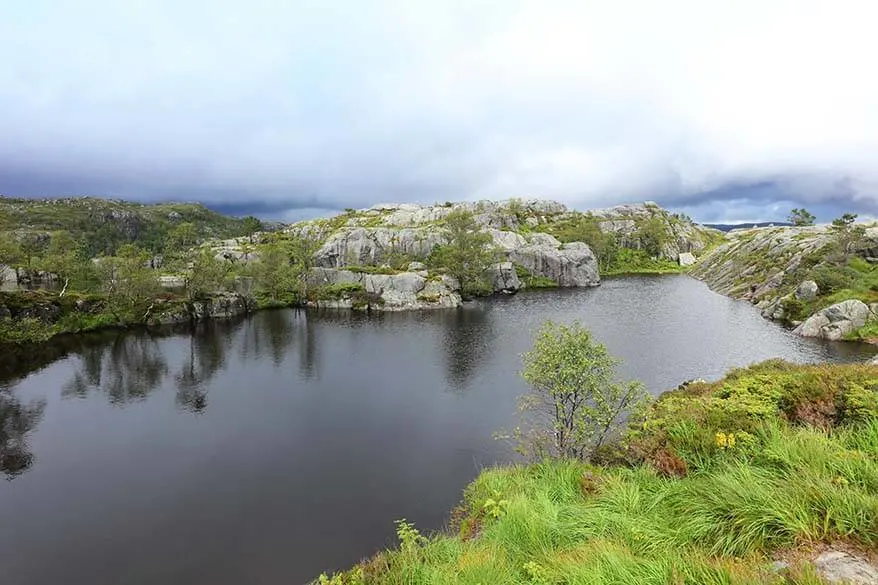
(33, 317)
(721, 479)
(629, 261)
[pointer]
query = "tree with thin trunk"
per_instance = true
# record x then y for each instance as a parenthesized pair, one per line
(848, 235)
(130, 284)
(801, 217)
(468, 253)
(576, 401)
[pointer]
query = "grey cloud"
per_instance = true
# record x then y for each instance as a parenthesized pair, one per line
(286, 109)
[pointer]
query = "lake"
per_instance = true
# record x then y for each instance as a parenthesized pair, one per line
(269, 449)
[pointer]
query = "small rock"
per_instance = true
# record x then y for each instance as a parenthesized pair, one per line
(417, 266)
(686, 259)
(166, 281)
(779, 567)
(807, 290)
(840, 567)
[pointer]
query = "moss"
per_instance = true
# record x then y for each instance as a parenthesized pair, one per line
(533, 281)
(629, 261)
(429, 298)
(372, 269)
(338, 291)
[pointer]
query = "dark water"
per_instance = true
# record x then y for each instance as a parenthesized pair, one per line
(267, 450)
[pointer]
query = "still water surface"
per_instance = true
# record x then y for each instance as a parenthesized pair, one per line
(267, 450)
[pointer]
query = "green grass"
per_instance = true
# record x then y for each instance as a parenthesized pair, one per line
(803, 471)
(341, 290)
(630, 261)
(533, 281)
(104, 224)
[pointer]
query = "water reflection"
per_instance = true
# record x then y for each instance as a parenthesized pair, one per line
(269, 332)
(331, 419)
(468, 340)
(127, 370)
(207, 355)
(16, 421)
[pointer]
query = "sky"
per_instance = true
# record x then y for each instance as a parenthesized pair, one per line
(726, 110)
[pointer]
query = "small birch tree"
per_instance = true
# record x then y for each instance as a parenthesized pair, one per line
(576, 401)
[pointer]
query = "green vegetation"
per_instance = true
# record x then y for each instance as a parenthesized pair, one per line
(575, 400)
(640, 252)
(839, 277)
(717, 481)
(467, 253)
(532, 281)
(629, 261)
(102, 225)
(801, 217)
(80, 293)
(848, 235)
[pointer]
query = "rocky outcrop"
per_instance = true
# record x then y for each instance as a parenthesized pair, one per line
(504, 278)
(384, 292)
(807, 290)
(13, 279)
(836, 566)
(686, 259)
(770, 267)
(761, 265)
(682, 235)
(837, 321)
(220, 305)
(387, 233)
(373, 246)
(571, 264)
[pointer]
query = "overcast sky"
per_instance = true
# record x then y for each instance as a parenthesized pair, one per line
(728, 110)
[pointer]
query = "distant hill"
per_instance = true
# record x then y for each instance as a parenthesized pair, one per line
(727, 227)
(105, 224)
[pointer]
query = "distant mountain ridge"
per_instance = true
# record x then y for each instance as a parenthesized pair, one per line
(727, 227)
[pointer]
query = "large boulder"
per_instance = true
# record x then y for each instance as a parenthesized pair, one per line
(8, 278)
(390, 292)
(571, 264)
(372, 246)
(807, 290)
(219, 306)
(504, 278)
(837, 321)
(686, 259)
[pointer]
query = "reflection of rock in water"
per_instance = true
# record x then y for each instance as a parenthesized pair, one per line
(16, 421)
(126, 370)
(467, 341)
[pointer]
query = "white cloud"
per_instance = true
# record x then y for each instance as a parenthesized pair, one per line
(588, 102)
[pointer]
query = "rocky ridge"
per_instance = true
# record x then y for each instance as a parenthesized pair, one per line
(772, 268)
(374, 237)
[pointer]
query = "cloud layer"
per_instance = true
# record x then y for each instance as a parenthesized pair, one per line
(727, 110)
